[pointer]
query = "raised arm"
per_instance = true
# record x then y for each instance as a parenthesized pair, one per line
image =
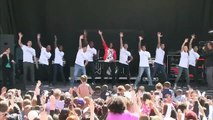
(102, 38)
(121, 40)
(20, 39)
(139, 44)
(159, 40)
(190, 43)
(39, 40)
(55, 41)
(185, 41)
(80, 41)
(85, 35)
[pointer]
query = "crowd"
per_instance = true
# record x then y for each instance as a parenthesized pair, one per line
(100, 103)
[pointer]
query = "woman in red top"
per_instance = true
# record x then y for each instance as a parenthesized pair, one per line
(109, 58)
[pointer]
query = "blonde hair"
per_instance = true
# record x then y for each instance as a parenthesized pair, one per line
(83, 78)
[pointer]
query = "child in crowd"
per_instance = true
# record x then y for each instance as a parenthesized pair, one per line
(84, 89)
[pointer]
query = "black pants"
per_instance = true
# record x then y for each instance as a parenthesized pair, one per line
(28, 68)
(57, 68)
(193, 71)
(106, 65)
(160, 69)
(44, 73)
(122, 67)
(7, 75)
(90, 69)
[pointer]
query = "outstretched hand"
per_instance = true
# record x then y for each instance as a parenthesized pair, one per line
(140, 38)
(38, 36)
(159, 34)
(193, 36)
(99, 32)
(186, 40)
(121, 34)
(20, 35)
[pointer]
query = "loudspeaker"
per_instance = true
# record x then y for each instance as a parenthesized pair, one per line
(6, 41)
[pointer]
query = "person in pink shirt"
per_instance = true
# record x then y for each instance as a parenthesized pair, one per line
(117, 110)
(84, 89)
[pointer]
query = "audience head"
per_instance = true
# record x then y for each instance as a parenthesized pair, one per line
(83, 78)
(117, 105)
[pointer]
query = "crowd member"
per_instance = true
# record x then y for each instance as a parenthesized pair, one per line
(7, 68)
(183, 64)
(29, 58)
(58, 62)
(144, 64)
(110, 57)
(124, 60)
(193, 56)
(81, 60)
(209, 63)
(44, 68)
(84, 89)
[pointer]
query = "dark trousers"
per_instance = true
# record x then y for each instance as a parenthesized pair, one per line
(7, 75)
(193, 71)
(44, 73)
(186, 73)
(28, 70)
(160, 69)
(57, 68)
(106, 65)
(122, 67)
(90, 69)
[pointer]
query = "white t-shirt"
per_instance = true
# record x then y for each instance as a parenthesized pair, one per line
(109, 55)
(193, 56)
(90, 53)
(159, 57)
(59, 55)
(144, 58)
(28, 53)
(80, 58)
(184, 59)
(44, 56)
(124, 54)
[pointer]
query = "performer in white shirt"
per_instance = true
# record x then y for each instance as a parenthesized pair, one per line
(29, 57)
(92, 56)
(159, 59)
(144, 63)
(183, 64)
(193, 56)
(124, 60)
(81, 61)
(58, 62)
(44, 70)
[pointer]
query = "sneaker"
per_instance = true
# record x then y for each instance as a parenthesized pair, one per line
(175, 86)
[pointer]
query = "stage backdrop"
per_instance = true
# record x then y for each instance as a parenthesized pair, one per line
(176, 19)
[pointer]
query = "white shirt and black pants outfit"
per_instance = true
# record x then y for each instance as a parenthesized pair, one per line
(58, 65)
(44, 69)
(123, 64)
(193, 56)
(144, 67)
(90, 68)
(79, 68)
(183, 67)
(159, 64)
(28, 63)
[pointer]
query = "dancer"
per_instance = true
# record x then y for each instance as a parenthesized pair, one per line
(58, 62)
(193, 56)
(123, 60)
(183, 64)
(44, 70)
(7, 68)
(209, 63)
(144, 63)
(109, 59)
(29, 57)
(159, 59)
(91, 56)
(81, 60)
